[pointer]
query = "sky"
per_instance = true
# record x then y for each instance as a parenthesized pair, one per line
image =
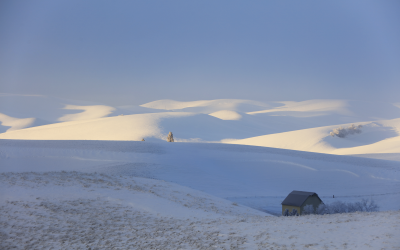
(134, 52)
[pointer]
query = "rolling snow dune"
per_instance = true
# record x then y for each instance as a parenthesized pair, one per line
(207, 106)
(301, 125)
(40, 107)
(15, 123)
(46, 110)
(90, 112)
(381, 137)
(171, 104)
(378, 137)
(308, 108)
(227, 115)
(129, 127)
(186, 126)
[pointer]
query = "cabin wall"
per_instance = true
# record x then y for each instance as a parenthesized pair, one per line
(290, 208)
(311, 200)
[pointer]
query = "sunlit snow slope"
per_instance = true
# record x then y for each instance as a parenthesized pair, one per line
(379, 137)
(303, 125)
(125, 128)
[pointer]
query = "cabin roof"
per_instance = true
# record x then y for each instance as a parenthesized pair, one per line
(297, 198)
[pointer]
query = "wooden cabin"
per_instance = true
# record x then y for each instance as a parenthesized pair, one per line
(299, 199)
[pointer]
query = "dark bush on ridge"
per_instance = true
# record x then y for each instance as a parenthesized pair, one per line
(343, 132)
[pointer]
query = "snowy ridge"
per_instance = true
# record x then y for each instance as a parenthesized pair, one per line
(15, 123)
(375, 137)
(125, 128)
(227, 115)
(309, 108)
(207, 106)
(89, 112)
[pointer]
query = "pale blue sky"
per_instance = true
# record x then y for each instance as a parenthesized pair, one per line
(133, 52)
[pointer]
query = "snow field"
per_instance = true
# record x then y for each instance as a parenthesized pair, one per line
(72, 210)
(257, 177)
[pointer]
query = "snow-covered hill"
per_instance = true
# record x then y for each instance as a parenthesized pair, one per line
(303, 126)
(127, 194)
(77, 175)
(125, 128)
(71, 210)
(254, 176)
(290, 125)
(378, 137)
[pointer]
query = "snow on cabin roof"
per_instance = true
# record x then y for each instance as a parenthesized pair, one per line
(297, 198)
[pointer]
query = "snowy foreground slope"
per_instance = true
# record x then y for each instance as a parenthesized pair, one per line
(73, 210)
(144, 195)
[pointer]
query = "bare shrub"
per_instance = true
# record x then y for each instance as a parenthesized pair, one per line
(294, 212)
(308, 209)
(365, 205)
(322, 209)
(337, 207)
(286, 212)
(170, 137)
(368, 205)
